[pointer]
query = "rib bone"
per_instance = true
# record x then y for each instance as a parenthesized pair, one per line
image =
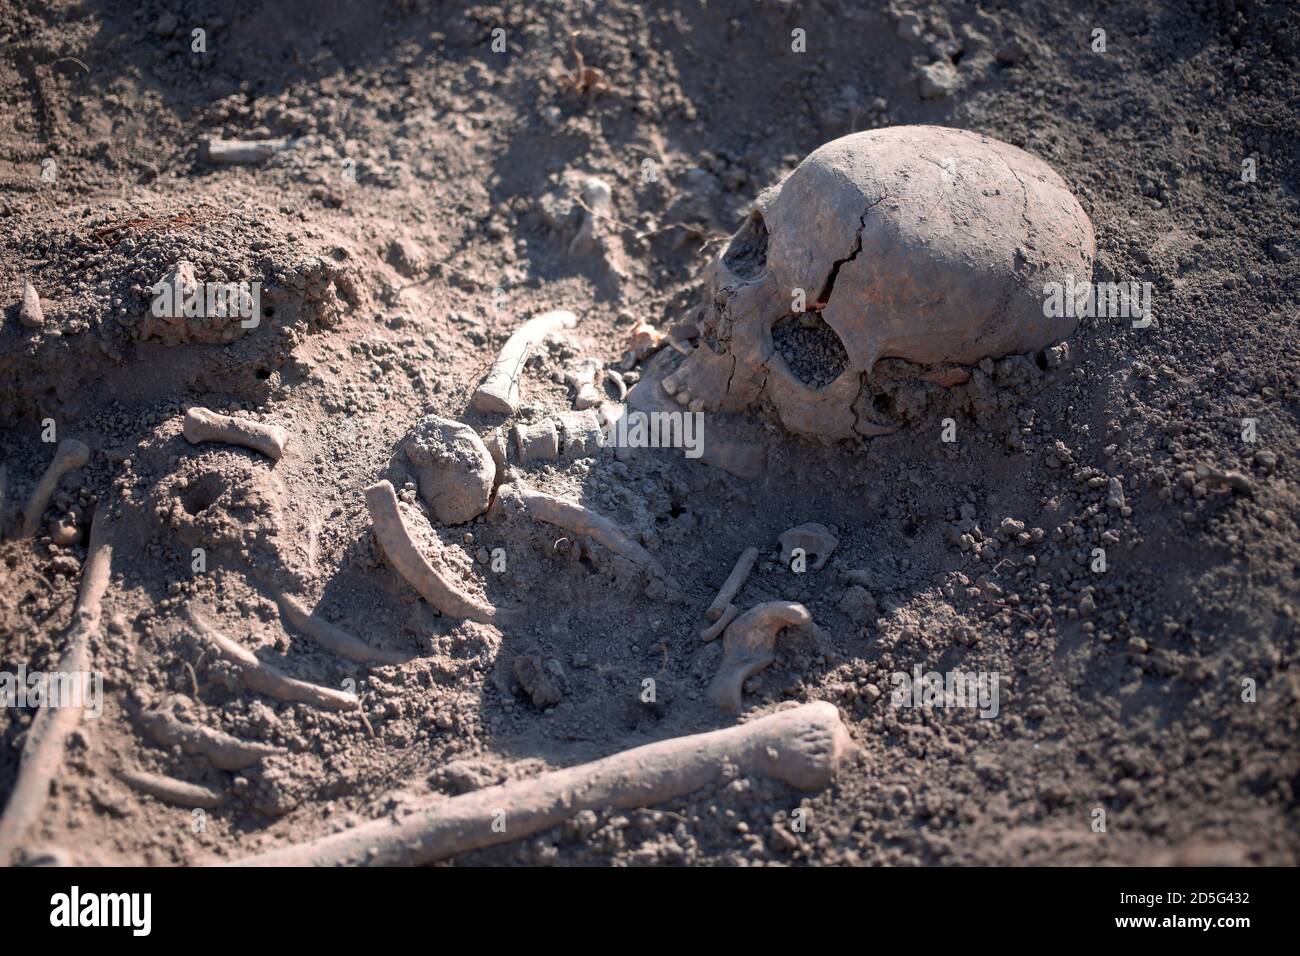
(500, 389)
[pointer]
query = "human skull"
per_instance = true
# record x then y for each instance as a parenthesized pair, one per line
(915, 242)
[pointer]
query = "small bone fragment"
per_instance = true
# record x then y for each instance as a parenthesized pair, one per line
(42, 756)
(735, 581)
(644, 339)
(813, 539)
(243, 152)
(453, 467)
(495, 442)
(616, 379)
(170, 790)
(582, 379)
(332, 637)
(176, 286)
(581, 435)
(30, 313)
(801, 747)
(266, 679)
(203, 425)
(581, 520)
(721, 624)
(225, 752)
(537, 442)
(395, 541)
(69, 455)
(749, 645)
(500, 389)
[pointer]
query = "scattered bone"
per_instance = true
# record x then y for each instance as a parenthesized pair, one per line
(721, 624)
(539, 441)
(334, 638)
(432, 585)
(749, 645)
(453, 467)
(178, 284)
(581, 434)
(615, 378)
(225, 752)
(801, 747)
(203, 425)
(42, 756)
(813, 539)
(65, 533)
(731, 587)
(500, 389)
(243, 152)
(266, 679)
(495, 442)
(30, 313)
(582, 379)
(643, 340)
(71, 454)
(536, 675)
(580, 520)
(170, 790)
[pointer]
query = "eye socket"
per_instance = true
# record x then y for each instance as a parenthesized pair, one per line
(811, 349)
(746, 255)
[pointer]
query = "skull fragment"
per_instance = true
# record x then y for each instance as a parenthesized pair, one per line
(914, 242)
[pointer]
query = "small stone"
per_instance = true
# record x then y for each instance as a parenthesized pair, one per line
(166, 25)
(938, 80)
(30, 312)
(857, 604)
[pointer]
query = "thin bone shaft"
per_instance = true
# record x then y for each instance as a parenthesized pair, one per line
(735, 581)
(430, 582)
(71, 454)
(202, 425)
(334, 638)
(801, 747)
(500, 389)
(179, 793)
(581, 520)
(264, 678)
(43, 752)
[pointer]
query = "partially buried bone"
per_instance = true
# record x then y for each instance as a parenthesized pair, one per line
(332, 637)
(581, 520)
(801, 747)
(264, 678)
(432, 583)
(225, 752)
(30, 313)
(43, 750)
(539, 441)
(812, 539)
(243, 152)
(203, 425)
(749, 645)
(735, 581)
(71, 454)
(721, 624)
(500, 389)
(179, 793)
(453, 467)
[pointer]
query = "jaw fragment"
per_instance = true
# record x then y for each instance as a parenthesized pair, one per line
(812, 539)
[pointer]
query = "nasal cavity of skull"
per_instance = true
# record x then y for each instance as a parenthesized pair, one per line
(202, 493)
(811, 349)
(746, 255)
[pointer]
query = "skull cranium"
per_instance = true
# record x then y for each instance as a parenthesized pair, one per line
(914, 242)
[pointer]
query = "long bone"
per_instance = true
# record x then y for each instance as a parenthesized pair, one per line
(500, 389)
(735, 581)
(801, 747)
(332, 637)
(224, 751)
(431, 583)
(43, 751)
(749, 645)
(581, 520)
(180, 793)
(71, 454)
(266, 679)
(202, 425)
